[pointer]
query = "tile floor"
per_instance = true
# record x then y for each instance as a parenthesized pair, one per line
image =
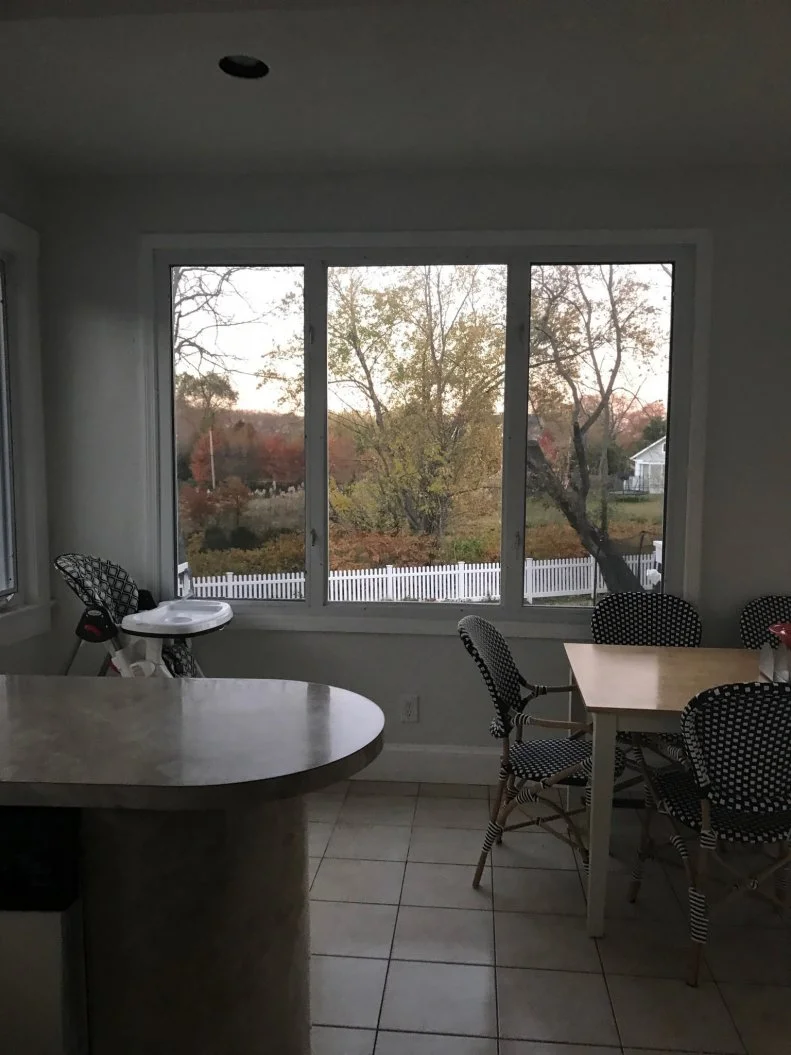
(408, 959)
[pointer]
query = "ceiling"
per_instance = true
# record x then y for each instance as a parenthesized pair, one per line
(395, 84)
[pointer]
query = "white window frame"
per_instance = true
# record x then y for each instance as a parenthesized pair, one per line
(688, 250)
(28, 612)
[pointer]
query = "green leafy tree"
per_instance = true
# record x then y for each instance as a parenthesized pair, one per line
(415, 357)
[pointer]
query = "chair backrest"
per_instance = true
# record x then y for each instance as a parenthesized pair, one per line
(758, 615)
(100, 584)
(645, 619)
(738, 739)
(489, 649)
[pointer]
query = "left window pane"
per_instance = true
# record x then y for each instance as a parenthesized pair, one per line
(238, 359)
(8, 584)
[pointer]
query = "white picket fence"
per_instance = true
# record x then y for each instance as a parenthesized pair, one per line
(566, 577)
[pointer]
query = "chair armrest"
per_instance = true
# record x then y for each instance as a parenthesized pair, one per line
(525, 718)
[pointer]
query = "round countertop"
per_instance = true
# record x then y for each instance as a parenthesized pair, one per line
(162, 743)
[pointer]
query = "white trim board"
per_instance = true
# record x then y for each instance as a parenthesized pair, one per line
(435, 764)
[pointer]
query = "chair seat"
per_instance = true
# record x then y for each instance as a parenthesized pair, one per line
(682, 801)
(541, 759)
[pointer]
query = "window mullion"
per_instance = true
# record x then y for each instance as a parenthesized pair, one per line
(515, 404)
(316, 563)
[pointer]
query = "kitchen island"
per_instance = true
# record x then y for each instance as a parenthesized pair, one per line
(192, 860)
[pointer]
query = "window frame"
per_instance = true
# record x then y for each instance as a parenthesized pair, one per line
(689, 251)
(27, 612)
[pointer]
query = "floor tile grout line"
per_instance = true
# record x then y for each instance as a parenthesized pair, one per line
(392, 946)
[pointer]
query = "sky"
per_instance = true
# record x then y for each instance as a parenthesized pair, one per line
(247, 345)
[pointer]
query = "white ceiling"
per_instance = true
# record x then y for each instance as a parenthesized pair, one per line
(389, 83)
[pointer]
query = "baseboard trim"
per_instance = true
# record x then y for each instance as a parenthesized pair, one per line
(435, 764)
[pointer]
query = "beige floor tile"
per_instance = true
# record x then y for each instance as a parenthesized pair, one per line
(345, 991)
(332, 791)
(341, 929)
(378, 809)
(433, 1044)
(332, 1040)
(375, 882)
(452, 813)
(651, 948)
(530, 1047)
(454, 791)
(763, 1016)
(533, 849)
(446, 935)
(749, 954)
(445, 886)
(558, 1006)
(668, 1014)
(441, 998)
(318, 836)
(371, 842)
(324, 810)
(457, 846)
(557, 943)
(313, 867)
(538, 890)
(383, 787)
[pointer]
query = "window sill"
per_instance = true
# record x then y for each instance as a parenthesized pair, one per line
(23, 622)
(573, 625)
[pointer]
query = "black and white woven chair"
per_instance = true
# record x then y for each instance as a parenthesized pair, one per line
(110, 594)
(737, 790)
(527, 768)
(651, 620)
(758, 615)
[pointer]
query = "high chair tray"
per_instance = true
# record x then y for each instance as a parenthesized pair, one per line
(178, 619)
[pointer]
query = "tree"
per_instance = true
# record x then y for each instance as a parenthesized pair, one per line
(593, 328)
(204, 301)
(208, 393)
(415, 358)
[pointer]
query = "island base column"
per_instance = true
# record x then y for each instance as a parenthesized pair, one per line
(196, 931)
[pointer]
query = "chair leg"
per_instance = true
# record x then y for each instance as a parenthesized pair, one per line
(493, 832)
(509, 796)
(698, 907)
(646, 846)
(783, 881)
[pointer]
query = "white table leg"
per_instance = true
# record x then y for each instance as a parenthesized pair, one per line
(604, 727)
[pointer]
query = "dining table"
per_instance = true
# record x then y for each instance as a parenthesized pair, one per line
(628, 688)
(187, 797)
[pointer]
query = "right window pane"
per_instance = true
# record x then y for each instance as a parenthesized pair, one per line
(597, 430)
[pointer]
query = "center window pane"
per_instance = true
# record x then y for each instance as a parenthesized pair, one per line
(416, 358)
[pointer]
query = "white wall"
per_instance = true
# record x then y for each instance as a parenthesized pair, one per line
(95, 396)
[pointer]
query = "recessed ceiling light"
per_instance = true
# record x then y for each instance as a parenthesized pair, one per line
(248, 67)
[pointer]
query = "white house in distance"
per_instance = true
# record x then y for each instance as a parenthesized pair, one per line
(649, 468)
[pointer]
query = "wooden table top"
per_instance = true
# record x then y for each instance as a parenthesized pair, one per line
(623, 678)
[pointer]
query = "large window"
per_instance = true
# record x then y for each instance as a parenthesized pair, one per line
(440, 428)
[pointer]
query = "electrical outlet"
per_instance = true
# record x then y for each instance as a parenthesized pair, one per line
(410, 708)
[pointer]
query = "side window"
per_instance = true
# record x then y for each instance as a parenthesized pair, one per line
(8, 576)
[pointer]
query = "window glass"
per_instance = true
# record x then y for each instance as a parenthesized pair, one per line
(597, 430)
(238, 357)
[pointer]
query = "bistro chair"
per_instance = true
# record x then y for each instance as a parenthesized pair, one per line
(529, 769)
(110, 594)
(758, 615)
(736, 791)
(653, 620)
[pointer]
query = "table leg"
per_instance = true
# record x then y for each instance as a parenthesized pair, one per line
(604, 727)
(196, 930)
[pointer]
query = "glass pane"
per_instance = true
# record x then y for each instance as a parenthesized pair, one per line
(596, 438)
(8, 584)
(238, 353)
(415, 362)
